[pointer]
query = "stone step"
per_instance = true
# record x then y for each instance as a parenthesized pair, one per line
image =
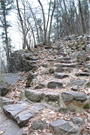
(36, 96)
(82, 74)
(60, 70)
(21, 113)
(60, 75)
(64, 102)
(54, 84)
(62, 54)
(65, 65)
(64, 58)
(62, 127)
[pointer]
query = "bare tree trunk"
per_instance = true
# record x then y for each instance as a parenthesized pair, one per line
(6, 36)
(21, 21)
(35, 22)
(81, 17)
(51, 21)
(43, 21)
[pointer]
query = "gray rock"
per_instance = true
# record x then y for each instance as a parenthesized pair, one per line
(75, 88)
(10, 78)
(51, 70)
(76, 82)
(23, 117)
(59, 69)
(33, 95)
(40, 86)
(37, 107)
(61, 127)
(88, 48)
(51, 96)
(88, 66)
(86, 70)
(38, 124)
(5, 101)
(21, 113)
(60, 75)
(82, 74)
(44, 65)
(88, 84)
(13, 110)
(70, 96)
(54, 84)
(66, 65)
(7, 81)
(30, 77)
(77, 120)
(21, 61)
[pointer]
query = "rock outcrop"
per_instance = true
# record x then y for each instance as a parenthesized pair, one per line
(22, 61)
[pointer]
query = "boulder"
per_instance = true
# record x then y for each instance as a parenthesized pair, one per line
(76, 82)
(21, 113)
(22, 60)
(76, 88)
(62, 127)
(51, 96)
(7, 81)
(77, 120)
(13, 110)
(70, 96)
(5, 101)
(23, 117)
(33, 95)
(54, 84)
(38, 124)
(60, 75)
(88, 84)
(40, 86)
(30, 77)
(82, 74)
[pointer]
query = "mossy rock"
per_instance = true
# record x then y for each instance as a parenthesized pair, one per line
(51, 71)
(88, 84)
(28, 83)
(87, 106)
(48, 47)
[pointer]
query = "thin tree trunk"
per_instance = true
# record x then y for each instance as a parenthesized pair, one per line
(43, 21)
(21, 21)
(7, 46)
(51, 21)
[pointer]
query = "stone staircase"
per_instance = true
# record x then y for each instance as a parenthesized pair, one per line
(58, 85)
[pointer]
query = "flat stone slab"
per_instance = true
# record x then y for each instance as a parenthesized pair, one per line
(60, 75)
(7, 126)
(23, 118)
(54, 84)
(10, 78)
(82, 74)
(5, 101)
(63, 58)
(66, 65)
(70, 96)
(13, 110)
(59, 69)
(6, 81)
(76, 82)
(61, 127)
(21, 113)
(33, 95)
